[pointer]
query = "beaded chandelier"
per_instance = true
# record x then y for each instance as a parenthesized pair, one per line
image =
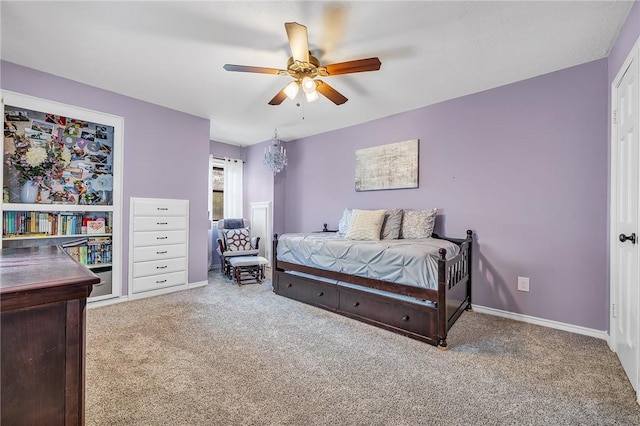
(275, 157)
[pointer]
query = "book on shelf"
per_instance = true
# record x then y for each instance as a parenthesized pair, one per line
(90, 251)
(33, 223)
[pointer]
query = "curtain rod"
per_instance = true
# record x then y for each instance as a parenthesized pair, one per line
(222, 158)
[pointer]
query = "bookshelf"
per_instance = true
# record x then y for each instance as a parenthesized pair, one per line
(78, 203)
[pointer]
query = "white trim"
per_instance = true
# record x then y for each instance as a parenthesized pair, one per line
(265, 208)
(216, 161)
(598, 334)
(157, 292)
(198, 284)
(634, 53)
(168, 290)
(613, 170)
(115, 121)
(106, 302)
(58, 108)
(23, 207)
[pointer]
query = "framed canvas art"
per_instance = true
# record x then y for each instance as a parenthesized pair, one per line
(391, 166)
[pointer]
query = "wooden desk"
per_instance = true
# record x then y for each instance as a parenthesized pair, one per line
(43, 295)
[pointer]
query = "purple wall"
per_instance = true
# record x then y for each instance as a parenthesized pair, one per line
(279, 201)
(258, 179)
(160, 161)
(222, 150)
(524, 166)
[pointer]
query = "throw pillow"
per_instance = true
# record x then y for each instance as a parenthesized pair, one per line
(365, 225)
(345, 222)
(237, 239)
(391, 225)
(233, 223)
(419, 223)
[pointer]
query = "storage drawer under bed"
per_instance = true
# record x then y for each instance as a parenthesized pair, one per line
(307, 291)
(414, 318)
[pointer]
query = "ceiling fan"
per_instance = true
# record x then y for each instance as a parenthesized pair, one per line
(304, 68)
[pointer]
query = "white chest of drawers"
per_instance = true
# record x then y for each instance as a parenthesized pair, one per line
(158, 246)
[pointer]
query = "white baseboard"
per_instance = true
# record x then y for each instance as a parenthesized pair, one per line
(167, 290)
(598, 334)
(198, 284)
(113, 300)
(106, 302)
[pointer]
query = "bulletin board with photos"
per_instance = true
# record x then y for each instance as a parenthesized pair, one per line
(70, 160)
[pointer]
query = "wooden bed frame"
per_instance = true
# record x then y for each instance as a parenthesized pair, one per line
(421, 321)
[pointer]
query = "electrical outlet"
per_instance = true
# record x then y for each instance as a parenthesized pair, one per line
(523, 284)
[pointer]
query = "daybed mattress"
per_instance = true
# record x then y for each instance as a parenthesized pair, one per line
(411, 262)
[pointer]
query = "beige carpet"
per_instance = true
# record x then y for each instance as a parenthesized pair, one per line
(229, 355)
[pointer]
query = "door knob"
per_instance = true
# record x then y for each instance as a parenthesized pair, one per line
(631, 237)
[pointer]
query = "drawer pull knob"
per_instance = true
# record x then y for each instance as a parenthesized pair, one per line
(161, 238)
(161, 267)
(161, 252)
(163, 208)
(356, 304)
(161, 281)
(405, 318)
(290, 285)
(320, 294)
(161, 223)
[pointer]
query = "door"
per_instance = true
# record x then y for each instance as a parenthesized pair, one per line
(624, 245)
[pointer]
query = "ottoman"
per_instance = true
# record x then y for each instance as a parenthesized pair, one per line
(247, 268)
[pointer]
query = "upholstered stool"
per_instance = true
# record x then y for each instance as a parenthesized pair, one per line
(247, 268)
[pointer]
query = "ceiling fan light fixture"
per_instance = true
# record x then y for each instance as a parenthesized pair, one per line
(312, 96)
(304, 68)
(291, 90)
(308, 85)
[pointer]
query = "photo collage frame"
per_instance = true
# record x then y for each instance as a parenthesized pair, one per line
(72, 159)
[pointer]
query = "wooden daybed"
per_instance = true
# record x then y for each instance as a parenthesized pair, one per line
(420, 313)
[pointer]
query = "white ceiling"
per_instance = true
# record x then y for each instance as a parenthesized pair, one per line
(171, 53)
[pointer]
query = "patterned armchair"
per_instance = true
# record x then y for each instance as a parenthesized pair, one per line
(234, 239)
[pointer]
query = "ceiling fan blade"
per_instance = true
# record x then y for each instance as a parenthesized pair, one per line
(298, 41)
(330, 93)
(360, 65)
(247, 68)
(278, 98)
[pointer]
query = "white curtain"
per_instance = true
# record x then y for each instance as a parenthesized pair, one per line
(233, 188)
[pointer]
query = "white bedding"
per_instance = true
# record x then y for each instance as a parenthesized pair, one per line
(404, 261)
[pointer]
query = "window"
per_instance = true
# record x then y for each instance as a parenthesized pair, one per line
(217, 193)
(225, 188)
(216, 188)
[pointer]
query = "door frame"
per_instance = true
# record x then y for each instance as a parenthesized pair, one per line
(613, 237)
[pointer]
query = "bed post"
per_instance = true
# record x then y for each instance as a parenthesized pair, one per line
(275, 277)
(274, 248)
(442, 300)
(469, 267)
